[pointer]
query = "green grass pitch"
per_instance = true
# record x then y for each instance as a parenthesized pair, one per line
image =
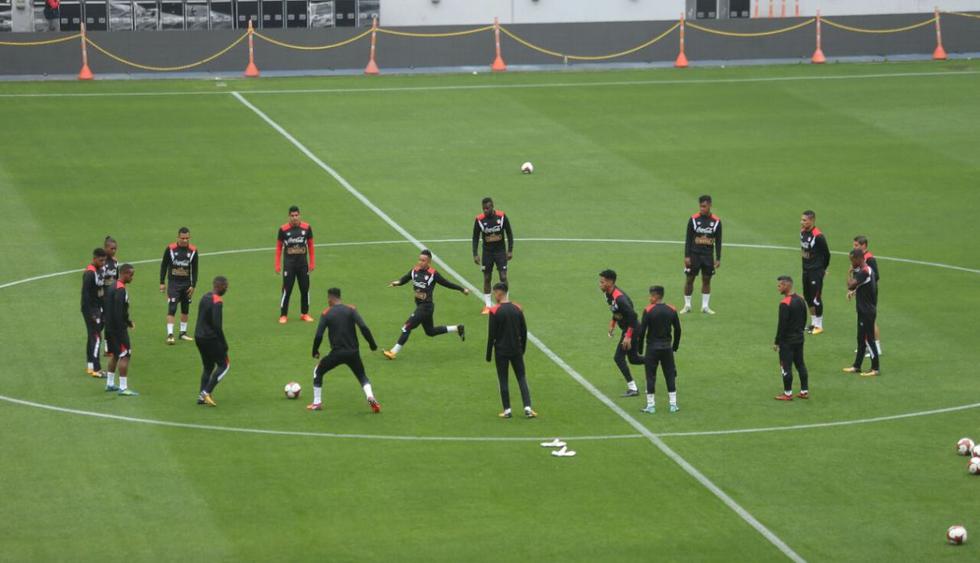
(888, 151)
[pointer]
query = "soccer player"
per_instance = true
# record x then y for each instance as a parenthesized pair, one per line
(861, 242)
(659, 320)
(110, 270)
(424, 279)
(789, 340)
(340, 319)
(179, 269)
(209, 335)
(862, 287)
(492, 225)
(507, 336)
(296, 237)
(816, 260)
(623, 315)
(117, 325)
(92, 294)
(702, 253)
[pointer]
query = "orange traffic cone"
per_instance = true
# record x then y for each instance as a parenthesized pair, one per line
(498, 64)
(818, 58)
(681, 61)
(251, 71)
(372, 67)
(939, 54)
(86, 72)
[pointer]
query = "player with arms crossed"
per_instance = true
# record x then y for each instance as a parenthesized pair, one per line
(507, 337)
(117, 326)
(659, 320)
(862, 288)
(93, 292)
(178, 277)
(623, 315)
(340, 319)
(816, 260)
(296, 237)
(702, 253)
(492, 226)
(424, 279)
(209, 335)
(789, 340)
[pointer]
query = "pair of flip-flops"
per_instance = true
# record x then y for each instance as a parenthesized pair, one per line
(560, 448)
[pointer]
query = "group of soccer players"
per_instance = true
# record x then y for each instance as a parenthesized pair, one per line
(650, 339)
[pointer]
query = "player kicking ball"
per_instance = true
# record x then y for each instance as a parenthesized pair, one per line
(339, 320)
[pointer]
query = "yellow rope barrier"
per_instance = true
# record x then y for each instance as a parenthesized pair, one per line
(534, 47)
(164, 68)
(929, 21)
(436, 35)
(38, 43)
(751, 34)
(964, 14)
(312, 47)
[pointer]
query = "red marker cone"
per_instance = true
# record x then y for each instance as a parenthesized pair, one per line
(372, 67)
(939, 54)
(251, 71)
(818, 58)
(681, 61)
(86, 72)
(498, 64)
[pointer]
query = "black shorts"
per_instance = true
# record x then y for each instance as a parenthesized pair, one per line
(423, 313)
(119, 347)
(812, 286)
(493, 257)
(701, 263)
(178, 293)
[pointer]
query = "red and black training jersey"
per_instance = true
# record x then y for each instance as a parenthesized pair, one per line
(424, 282)
(297, 242)
(339, 322)
(110, 273)
(210, 322)
(92, 292)
(866, 292)
(792, 320)
(117, 321)
(507, 334)
(660, 328)
(179, 265)
(703, 236)
(871, 261)
(814, 250)
(622, 310)
(492, 228)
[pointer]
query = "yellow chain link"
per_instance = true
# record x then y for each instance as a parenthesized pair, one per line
(534, 47)
(312, 47)
(753, 33)
(436, 35)
(891, 30)
(164, 68)
(38, 43)
(964, 14)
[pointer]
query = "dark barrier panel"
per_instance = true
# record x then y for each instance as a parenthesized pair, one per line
(960, 35)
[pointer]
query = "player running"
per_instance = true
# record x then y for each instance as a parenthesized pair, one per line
(179, 270)
(117, 326)
(623, 315)
(296, 237)
(209, 335)
(816, 260)
(93, 292)
(507, 336)
(702, 253)
(340, 319)
(861, 242)
(862, 287)
(659, 320)
(492, 225)
(789, 340)
(424, 279)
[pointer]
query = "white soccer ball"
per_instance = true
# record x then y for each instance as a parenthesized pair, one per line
(974, 466)
(974, 451)
(964, 446)
(292, 390)
(956, 535)
(527, 168)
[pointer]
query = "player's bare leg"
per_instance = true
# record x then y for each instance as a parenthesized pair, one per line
(487, 282)
(688, 292)
(110, 382)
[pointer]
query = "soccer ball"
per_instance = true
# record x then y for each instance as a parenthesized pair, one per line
(527, 168)
(975, 451)
(956, 535)
(974, 466)
(292, 390)
(964, 446)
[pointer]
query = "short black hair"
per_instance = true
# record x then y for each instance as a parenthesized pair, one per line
(334, 292)
(810, 213)
(108, 239)
(99, 253)
(501, 286)
(126, 268)
(704, 199)
(608, 274)
(487, 200)
(857, 253)
(426, 252)
(183, 230)
(785, 278)
(657, 290)
(861, 239)
(293, 208)
(218, 280)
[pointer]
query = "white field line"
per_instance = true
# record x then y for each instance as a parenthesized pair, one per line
(464, 87)
(687, 467)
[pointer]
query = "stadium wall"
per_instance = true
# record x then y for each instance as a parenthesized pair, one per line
(960, 35)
